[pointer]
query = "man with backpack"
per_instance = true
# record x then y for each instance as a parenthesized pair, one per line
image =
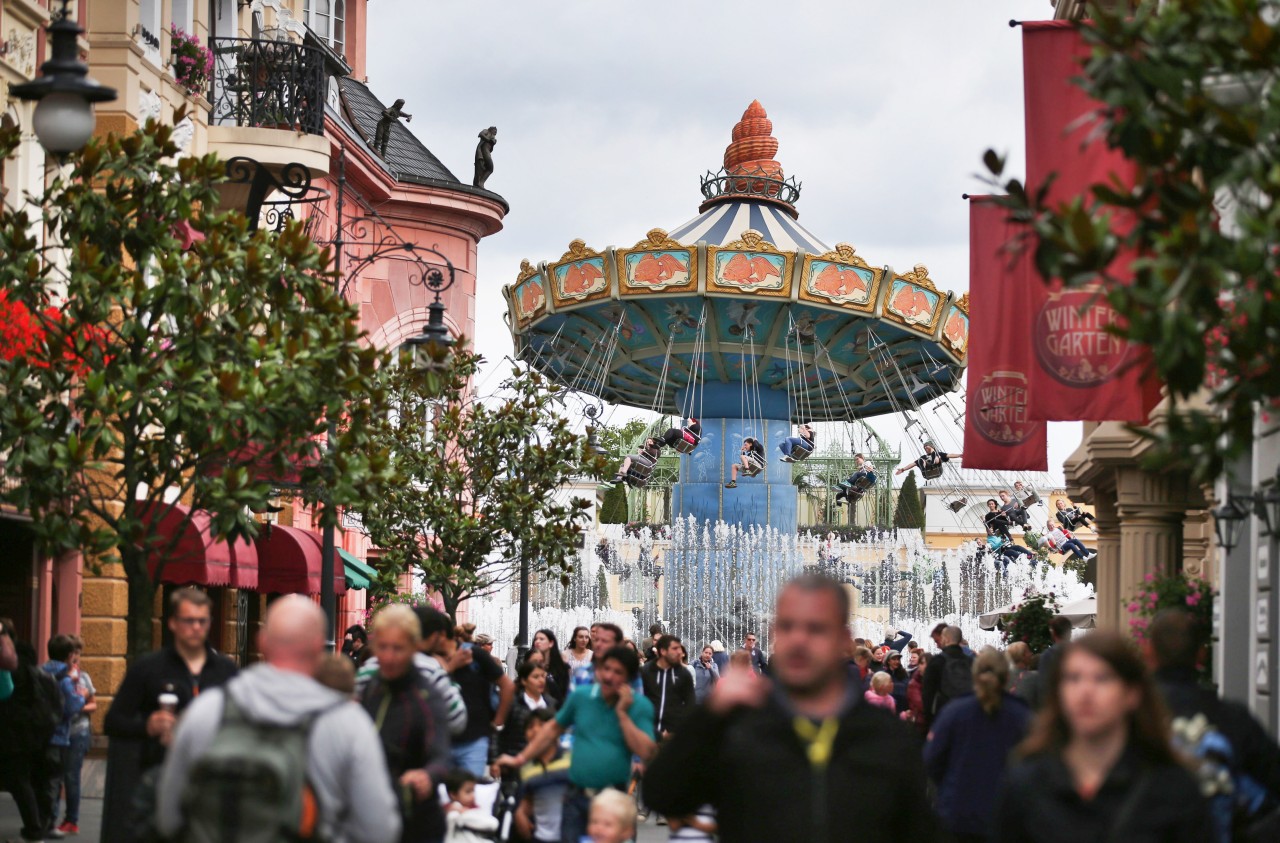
(28, 718)
(274, 755)
(1221, 736)
(949, 675)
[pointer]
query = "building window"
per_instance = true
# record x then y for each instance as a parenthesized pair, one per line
(182, 16)
(148, 32)
(327, 19)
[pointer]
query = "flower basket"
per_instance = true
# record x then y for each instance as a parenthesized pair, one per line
(192, 63)
(1175, 591)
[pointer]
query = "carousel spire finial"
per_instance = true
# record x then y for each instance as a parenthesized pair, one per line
(751, 153)
(753, 145)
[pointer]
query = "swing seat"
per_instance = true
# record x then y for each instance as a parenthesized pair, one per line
(958, 504)
(640, 469)
(860, 486)
(687, 442)
(753, 467)
(801, 451)
(1031, 498)
(932, 472)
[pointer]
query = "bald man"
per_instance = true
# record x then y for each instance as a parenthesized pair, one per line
(345, 764)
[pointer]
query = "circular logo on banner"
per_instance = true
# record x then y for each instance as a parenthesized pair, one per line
(1000, 413)
(1072, 341)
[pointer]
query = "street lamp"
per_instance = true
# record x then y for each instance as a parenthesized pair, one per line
(1228, 521)
(63, 119)
(1267, 507)
(429, 351)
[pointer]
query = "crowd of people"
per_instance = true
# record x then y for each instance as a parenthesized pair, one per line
(415, 731)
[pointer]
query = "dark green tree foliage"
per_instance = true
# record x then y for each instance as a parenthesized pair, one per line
(614, 508)
(602, 589)
(172, 354)
(479, 481)
(909, 514)
(1189, 95)
(942, 604)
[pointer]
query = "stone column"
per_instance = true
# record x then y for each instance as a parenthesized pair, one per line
(1152, 508)
(1107, 562)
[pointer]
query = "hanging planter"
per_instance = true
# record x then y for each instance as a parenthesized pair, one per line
(192, 63)
(1175, 591)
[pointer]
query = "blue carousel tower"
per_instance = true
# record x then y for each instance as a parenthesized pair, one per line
(744, 319)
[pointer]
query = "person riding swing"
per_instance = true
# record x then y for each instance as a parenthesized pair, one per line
(930, 464)
(683, 439)
(800, 447)
(636, 468)
(858, 483)
(750, 461)
(1014, 510)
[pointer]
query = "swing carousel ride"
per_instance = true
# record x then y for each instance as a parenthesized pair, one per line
(746, 321)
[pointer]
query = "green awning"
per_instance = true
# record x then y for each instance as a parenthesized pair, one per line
(359, 575)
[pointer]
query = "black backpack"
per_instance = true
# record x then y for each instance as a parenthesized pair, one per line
(957, 679)
(34, 711)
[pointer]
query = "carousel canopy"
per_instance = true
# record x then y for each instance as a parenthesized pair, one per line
(740, 298)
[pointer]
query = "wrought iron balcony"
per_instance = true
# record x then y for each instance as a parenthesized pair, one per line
(265, 84)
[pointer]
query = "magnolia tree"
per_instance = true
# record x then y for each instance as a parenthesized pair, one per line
(1189, 94)
(157, 352)
(480, 481)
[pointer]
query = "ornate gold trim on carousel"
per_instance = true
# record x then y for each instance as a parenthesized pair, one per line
(581, 275)
(527, 297)
(955, 331)
(840, 277)
(913, 301)
(657, 264)
(750, 264)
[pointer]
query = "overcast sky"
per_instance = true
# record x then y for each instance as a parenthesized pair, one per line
(609, 111)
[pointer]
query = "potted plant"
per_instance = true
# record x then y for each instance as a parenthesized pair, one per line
(1165, 590)
(1029, 622)
(192, 62)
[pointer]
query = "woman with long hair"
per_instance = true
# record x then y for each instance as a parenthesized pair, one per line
(1098, 764)
(531, 695)
(578, 653)
(544, 641)
(968, 746)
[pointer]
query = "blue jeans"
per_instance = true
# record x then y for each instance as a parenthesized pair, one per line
(577, 810)
(791, 442)
(472, 756)
(1075, 546)
(71, 777)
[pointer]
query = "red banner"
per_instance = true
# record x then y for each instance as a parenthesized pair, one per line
(1084, 372)
(998, 430)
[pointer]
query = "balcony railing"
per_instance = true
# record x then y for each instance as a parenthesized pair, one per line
(267, 84)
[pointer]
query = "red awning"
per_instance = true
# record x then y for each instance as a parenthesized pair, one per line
(290, 562)
(270, 463)
(196, 558)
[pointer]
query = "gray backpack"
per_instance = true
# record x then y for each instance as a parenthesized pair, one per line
(251, 786)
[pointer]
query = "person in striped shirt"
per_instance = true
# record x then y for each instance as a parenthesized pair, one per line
(437, 630)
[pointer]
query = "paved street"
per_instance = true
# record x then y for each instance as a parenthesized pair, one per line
(91, 819)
